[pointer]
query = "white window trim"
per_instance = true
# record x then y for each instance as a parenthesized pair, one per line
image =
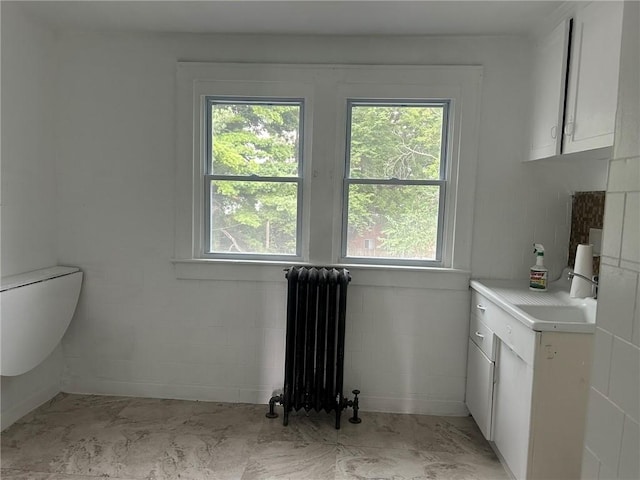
(195, 82)
(325, 122)
(205, 241)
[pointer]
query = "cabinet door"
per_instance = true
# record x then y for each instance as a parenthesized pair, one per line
(480, 388)
(593, 77)
(512, 410)
(547, 105)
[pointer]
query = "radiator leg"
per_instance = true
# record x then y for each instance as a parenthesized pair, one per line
(355, 418)
(272, 403)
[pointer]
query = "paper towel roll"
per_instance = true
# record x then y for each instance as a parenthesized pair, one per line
(581, 288)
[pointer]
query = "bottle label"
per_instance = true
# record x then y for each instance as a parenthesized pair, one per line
(538, 280)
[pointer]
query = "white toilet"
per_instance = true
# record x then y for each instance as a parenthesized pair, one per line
(36, 309)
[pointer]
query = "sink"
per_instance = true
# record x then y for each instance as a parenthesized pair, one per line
(551, 311)
(558, 313)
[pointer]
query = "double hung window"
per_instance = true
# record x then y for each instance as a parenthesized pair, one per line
(325, 164)
(253, 176)
(395, 180)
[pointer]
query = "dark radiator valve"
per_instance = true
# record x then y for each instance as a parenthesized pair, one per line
(272, 403)
(354, 403)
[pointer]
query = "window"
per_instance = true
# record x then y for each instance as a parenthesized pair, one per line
(394, 186)
(324, 164)
(253, 176)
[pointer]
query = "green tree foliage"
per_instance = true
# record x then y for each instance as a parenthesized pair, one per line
(262, 140)
(387, 141)
(396, 142)
(402, 142)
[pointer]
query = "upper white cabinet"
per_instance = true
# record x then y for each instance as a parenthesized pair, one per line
(549, 79)
(593, 77)
(575, 77)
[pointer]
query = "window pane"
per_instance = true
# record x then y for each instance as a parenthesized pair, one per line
(401, 141)
(253, 217)
(255, 139)
(393, 221)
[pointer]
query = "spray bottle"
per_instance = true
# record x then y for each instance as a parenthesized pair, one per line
(538, 273)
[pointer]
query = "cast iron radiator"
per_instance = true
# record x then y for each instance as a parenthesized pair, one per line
(314, 356)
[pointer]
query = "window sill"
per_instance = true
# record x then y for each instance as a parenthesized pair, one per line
(365, 275)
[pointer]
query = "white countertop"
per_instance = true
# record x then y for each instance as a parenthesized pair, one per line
(514, 295)
(35, 276)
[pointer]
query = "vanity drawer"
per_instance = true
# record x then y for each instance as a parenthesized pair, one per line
(482, 336)
(479, 388)
(511, 331)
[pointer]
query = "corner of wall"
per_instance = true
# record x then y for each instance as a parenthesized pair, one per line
(23, 393)
(28, 213)
(613, 420)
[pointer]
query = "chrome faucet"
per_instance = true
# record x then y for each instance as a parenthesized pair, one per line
(593, 281)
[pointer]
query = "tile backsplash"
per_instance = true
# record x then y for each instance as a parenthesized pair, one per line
(587, 212)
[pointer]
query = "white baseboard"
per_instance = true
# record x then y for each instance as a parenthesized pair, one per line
(176, 392)
(415, 406)
(419, 406)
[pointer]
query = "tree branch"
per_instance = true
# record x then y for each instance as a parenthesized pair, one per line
(233, 240)
(417, 152)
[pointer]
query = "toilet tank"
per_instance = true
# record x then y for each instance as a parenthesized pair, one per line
(35, 311)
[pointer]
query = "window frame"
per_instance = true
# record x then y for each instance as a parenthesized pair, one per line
(325, 88)
(441, 182)
(460, 85)
(208, 175)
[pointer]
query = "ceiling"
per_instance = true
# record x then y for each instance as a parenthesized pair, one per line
(393, 17)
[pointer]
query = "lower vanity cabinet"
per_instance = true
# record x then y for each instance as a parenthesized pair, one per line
(527, 391)
(512, 410)
(480, 375)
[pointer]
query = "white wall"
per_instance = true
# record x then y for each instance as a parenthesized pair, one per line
(140, 331)
(521, 204)
(613, 429)
(28, 148)
(28, 182)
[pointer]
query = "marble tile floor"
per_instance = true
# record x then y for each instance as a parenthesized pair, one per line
(83, 437)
